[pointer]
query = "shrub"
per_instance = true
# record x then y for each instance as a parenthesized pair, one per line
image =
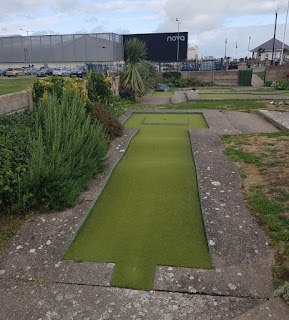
(107, 117)
(281, 84)
(268, 83)
(175, 75)
(283, 291)
(148, 73)
(98, 87)
(14, 133)
(56, 86)
(68, 149)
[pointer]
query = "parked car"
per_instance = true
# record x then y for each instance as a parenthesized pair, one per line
(31, 71)
(78, 71)
(43, 72)
(233, 65)
(4, 72)
(61, 72)
(162, 87)
(15, 72)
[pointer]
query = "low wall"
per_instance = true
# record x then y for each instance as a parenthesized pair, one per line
(16, 102)
(218, 77)
(274, 73)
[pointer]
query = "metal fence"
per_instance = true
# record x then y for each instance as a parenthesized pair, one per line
(191, 65)
(95, 47)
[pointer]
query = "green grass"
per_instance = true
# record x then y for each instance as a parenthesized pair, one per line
(15, 85)
(229, 95)
(162, 94)
(235, 105)
(149, 212)
(216, 90)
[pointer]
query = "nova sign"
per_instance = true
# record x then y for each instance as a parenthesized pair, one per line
(175, 38)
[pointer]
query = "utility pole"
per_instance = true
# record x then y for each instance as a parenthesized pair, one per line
(273, 50)
(178, 48)
(226, 48)
(282, 52)
(27, 31)
(249, 47)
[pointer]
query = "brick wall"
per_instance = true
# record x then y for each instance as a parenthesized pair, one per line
(274, 73)
(218, 77)
(16, 102)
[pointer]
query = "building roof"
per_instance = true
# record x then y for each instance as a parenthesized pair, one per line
(268, 46)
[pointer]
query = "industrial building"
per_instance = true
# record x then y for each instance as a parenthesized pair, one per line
(79, 49)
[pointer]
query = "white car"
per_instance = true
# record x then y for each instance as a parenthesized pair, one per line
(61, 72)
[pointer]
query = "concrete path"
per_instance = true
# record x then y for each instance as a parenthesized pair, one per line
(150, 99)
(35, 283)
(278, 119)
(257, 82)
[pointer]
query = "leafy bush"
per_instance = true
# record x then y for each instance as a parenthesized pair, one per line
(98, 87)
(281, 84)
(175, 75)
(268, 83)
(148, 74)
(245, 77)
(283, 291)
(56, 86)
(68, 149)
(14, 132)
(106, 116)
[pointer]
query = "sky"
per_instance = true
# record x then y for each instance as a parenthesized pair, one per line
(209, 23)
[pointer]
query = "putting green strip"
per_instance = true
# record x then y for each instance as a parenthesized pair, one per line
(149, 212)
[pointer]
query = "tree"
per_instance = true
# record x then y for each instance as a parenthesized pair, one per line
(135, 51)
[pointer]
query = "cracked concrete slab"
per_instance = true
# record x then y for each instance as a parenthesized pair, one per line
(278, 119)
(30, 300)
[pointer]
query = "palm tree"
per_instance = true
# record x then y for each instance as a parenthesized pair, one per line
(135, 51)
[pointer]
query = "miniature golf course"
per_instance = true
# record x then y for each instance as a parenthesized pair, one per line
(149, 212)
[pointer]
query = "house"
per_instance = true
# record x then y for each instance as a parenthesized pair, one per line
(267, 49)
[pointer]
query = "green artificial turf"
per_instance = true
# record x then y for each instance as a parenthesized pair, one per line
(149, 212)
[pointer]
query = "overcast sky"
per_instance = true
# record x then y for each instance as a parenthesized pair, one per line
(209, 23)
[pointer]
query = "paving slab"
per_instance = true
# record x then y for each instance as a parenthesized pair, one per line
(257, 82)
(30, 300)
(274, 310)
(179, 97)
(249, 123)
(193, 95)
(278, 119)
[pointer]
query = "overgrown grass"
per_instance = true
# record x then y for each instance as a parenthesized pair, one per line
(262, 160)
(15, 85)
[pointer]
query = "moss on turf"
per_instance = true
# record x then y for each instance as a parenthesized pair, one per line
(149, 212)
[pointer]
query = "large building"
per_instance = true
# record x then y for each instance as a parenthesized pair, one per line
(80, 49)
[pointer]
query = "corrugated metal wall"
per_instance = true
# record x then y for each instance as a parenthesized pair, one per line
(95, 47)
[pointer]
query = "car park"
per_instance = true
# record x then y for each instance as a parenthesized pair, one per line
(43, 72)
(31, 71)
(15, 72)
(233, 65)
(61, 72)
(78, 71)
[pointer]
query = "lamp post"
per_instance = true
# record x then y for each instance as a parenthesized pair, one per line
(282, 52)
(249, 47)
(27, 31)
(273, 50)
(178, 47)
(226, 41)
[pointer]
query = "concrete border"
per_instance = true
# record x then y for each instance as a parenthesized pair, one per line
(278, 119)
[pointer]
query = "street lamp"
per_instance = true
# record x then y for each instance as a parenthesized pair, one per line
(27, 31)
(178, 48)
(249, 47)
(282, 52)
(273, 50)
(226, 48)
